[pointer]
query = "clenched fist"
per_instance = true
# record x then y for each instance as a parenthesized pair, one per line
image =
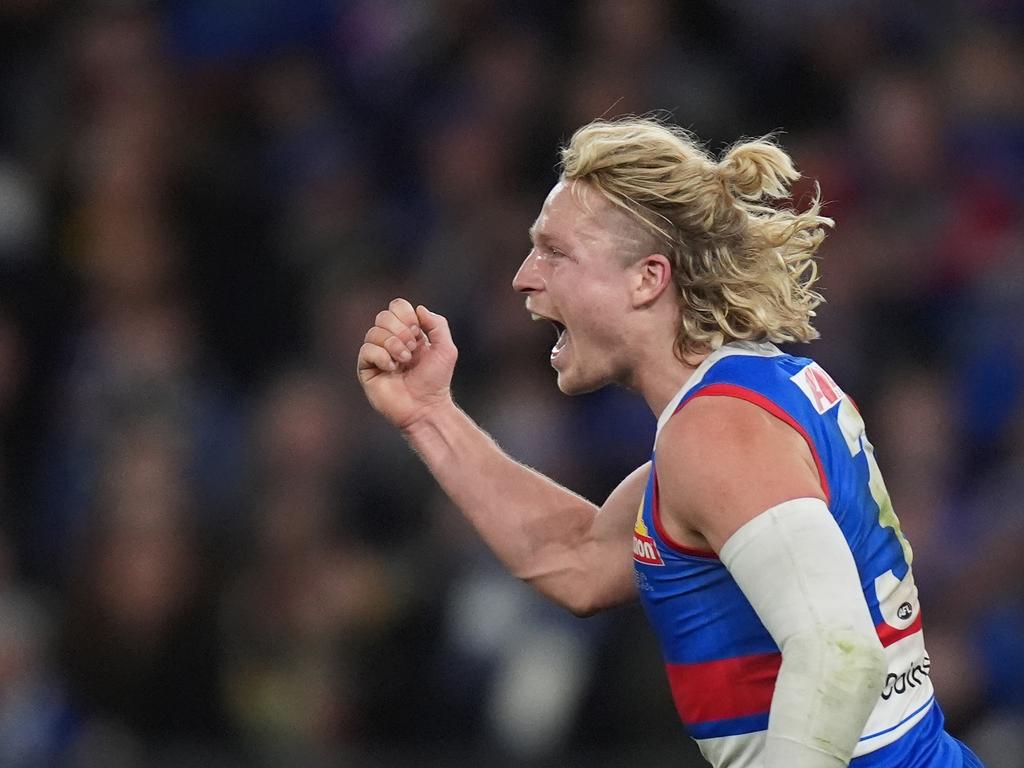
(406, 362)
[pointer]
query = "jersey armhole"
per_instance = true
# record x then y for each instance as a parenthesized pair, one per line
(675, 546)
(755, 398)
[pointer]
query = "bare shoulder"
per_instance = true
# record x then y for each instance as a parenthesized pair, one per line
(724, 429)
(722, 461)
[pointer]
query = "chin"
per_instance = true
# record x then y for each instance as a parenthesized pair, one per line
(570, 384)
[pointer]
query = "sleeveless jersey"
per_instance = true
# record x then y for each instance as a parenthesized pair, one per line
(721, 661)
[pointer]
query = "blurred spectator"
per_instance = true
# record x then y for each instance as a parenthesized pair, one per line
(33, 704)
(139, 647)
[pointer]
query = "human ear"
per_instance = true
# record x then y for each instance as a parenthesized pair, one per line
(652, 275)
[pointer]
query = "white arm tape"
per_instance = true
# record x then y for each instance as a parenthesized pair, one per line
(796, 569)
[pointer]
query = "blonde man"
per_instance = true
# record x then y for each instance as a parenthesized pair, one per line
(764, 546)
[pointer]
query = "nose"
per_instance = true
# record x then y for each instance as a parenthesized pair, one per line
(527, 278)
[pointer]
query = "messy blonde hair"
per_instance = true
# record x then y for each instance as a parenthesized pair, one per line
(743, 268)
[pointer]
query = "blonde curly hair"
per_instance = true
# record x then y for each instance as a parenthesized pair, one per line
(744, 269)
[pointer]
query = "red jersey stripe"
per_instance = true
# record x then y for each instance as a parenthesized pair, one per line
(725, 688)
(889, 634)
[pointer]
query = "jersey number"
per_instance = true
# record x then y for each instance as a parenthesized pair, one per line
(852, 426)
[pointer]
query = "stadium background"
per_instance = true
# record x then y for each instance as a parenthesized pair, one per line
(213, 554)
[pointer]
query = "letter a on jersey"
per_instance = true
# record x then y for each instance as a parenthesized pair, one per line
(818, 387)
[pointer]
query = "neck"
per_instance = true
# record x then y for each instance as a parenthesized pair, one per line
(660, 375)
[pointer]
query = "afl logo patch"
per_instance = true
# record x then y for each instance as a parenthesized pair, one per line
(905, 611)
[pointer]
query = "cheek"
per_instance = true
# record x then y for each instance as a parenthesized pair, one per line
(601, 312)
(597, 337)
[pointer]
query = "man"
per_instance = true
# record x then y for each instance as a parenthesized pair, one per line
(765, 549)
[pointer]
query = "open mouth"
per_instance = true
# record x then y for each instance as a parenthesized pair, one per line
(561, 333)
(561, 340)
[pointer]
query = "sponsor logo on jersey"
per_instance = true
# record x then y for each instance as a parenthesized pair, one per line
(818, 387)
(915, 675)
(644, 549)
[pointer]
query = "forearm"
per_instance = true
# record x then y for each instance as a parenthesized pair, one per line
(796, 569)
(826, 688)
(535, 526)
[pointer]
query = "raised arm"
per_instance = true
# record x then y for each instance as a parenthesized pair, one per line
(570, 550)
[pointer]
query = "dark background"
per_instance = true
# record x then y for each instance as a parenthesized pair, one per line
(212, 553)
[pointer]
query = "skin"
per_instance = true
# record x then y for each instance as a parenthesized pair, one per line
(589, 269)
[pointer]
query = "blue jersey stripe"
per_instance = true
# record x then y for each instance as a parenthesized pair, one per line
(911, 716)
(926, 745)
(732, 727)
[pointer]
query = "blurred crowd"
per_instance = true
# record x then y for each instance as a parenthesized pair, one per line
(213, 553)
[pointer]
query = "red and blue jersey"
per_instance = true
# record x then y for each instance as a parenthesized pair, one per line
(721, 661)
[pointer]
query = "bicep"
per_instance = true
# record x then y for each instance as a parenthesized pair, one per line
(611, 556)
(797, 570)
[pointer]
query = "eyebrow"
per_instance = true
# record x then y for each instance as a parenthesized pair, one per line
(536, 236)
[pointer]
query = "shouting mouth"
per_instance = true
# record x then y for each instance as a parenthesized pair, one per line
(561, 334)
